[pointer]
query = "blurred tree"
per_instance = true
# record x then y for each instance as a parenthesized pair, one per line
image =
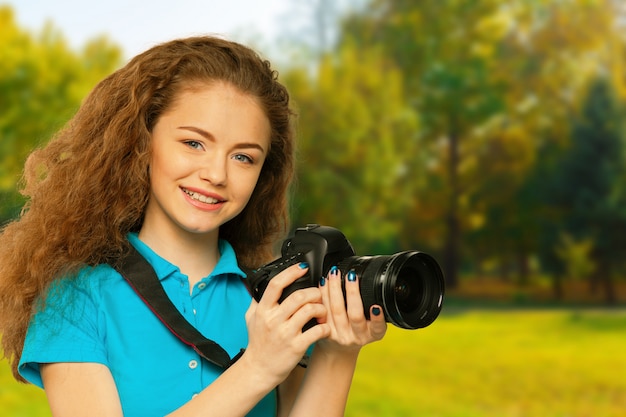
(491, 81)
(449, 83)
(586, 186)
(356, 142)
(576, 255)
(556, 63)
(498, 225)
(42, 82)
(546, 65)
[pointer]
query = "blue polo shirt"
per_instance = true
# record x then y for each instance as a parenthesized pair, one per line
(99, 318)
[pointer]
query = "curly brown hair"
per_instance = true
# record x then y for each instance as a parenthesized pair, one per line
(89, 186)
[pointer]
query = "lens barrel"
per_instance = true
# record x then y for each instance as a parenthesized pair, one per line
(409, 286)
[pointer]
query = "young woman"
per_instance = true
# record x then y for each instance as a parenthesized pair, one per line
(186, 154)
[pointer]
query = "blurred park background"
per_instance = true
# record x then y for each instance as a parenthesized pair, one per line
(489, 133)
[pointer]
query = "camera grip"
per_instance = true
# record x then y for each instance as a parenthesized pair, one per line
(301, 283)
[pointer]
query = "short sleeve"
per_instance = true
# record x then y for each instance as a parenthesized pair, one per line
(64, 328)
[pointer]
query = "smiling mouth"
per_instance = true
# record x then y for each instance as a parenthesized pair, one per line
(201, 198)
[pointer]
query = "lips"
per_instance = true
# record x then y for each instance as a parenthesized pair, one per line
(201, 197)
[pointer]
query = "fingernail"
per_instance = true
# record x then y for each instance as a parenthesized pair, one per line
(303, 265)
(322, 281)
(351, 276)
(334, 270)
(376, 311)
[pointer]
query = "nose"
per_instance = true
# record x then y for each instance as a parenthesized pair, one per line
(214, 170)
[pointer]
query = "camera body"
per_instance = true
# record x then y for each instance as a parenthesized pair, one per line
(409, 286)
(320, 246)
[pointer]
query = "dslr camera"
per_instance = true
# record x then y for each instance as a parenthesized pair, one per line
(409, 285)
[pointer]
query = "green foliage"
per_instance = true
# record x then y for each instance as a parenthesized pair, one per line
(445, 51)
(494, 84)
(357, 147)
(42, 82)
(576, 255)
(584, 191)
(591, 164)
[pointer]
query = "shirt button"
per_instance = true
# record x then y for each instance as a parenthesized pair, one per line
(193, 364)
(202, 285)
(194, 396)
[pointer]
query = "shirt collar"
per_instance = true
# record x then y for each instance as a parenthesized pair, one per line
(227, 264)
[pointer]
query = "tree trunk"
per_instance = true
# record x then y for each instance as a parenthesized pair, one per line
(451, 252)
(557, 286)
(594, 280)
(524, 268)
(453, 235)
(604, 278)
(505, 269)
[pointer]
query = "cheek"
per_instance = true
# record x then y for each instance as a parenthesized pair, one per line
(250, 185)
(155, 170)
(165, 166)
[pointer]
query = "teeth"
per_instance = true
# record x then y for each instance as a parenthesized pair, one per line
(200, 197)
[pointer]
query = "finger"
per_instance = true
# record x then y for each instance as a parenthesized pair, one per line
(378, 325)
(325, 291)
(336, 302)
(323, 286)
(354, 303)
(300, 298)
(282, 280)
(315, 333)
(307, 313)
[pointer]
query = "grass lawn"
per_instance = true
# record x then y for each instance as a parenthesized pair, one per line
(498, 363)
(473, 363)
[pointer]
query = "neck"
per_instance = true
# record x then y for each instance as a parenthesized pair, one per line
(195, 254)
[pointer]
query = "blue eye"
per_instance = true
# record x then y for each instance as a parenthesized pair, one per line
(243, 158)
(193, 144)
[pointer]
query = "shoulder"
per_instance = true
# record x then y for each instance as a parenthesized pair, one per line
(69, 324)
(89, 278)
(88, 284)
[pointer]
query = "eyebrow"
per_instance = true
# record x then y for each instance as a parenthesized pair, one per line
(210, 137)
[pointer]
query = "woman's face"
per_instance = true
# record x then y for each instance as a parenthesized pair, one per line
(207, 153)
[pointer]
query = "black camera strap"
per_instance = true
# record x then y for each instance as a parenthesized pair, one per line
(143, 279)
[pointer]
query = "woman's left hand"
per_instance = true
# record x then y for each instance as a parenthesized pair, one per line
(334, 357)
(350, 330)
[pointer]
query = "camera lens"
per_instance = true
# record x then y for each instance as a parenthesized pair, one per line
(407, 291)
(408, 285)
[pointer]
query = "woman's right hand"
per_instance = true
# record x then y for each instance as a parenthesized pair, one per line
(276, 340)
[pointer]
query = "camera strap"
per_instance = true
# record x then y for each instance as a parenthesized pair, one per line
(143, 279)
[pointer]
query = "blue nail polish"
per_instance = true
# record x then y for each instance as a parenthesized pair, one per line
(303, 265)
(351, 276)
(334, 271)
(376, 311)
(322, 281)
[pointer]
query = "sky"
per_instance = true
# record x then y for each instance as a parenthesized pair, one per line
(136, 25)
